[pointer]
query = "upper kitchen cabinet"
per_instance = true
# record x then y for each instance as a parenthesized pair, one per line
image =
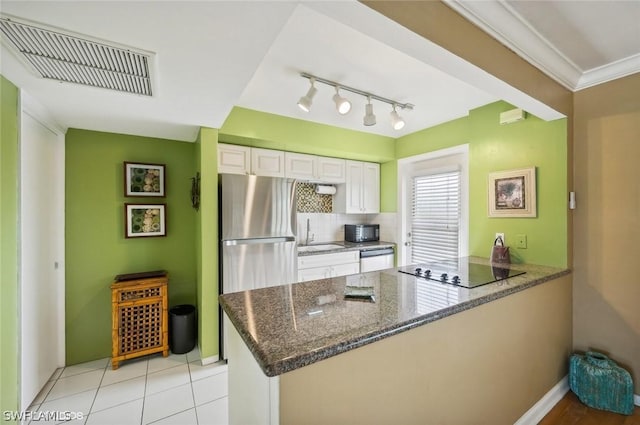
(267, 162)
(361, 193)
(300, 166)
(314, 168)
(331, 170)
(234, 159)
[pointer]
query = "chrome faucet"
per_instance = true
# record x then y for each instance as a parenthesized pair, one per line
(308, 240)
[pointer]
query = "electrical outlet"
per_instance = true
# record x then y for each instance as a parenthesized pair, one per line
(501, 235)
(521, 241)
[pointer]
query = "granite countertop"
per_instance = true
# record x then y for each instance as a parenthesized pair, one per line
(347, 246)
(290, 326)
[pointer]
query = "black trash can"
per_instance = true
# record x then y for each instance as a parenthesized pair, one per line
(182, 328)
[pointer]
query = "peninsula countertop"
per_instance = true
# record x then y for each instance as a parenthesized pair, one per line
(291, 326)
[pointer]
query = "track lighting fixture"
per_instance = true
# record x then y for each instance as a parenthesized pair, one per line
(306, 101)
(369, 118)
(344, 106)
(396, 121)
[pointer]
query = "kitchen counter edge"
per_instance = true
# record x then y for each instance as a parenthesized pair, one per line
(291, 363)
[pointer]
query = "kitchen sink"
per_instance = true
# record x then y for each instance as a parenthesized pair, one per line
(316, 248)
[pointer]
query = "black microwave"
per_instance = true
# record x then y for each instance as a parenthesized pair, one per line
(361, 232)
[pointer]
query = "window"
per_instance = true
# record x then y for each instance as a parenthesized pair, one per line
(436, 216)
(433, 206)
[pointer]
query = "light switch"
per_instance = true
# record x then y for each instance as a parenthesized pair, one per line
(521, 241)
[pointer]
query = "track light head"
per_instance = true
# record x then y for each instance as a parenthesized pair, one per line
(396, 120)
(369, 118)
(342, 104)
(306, 101)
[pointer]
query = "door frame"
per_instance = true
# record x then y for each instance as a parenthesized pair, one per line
(406, 169)
(30, 107)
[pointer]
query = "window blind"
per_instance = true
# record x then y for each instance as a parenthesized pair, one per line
(436, 213)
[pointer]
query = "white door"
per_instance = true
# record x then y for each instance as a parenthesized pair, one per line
(434, 207)
(42, 255)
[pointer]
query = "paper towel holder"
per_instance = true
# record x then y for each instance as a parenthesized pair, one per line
(325, 189)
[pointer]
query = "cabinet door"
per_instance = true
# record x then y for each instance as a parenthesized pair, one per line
(234, 159)
(327, 260)
(314, 274)
(331, 170)
(300, 166)
(345, 269)
(354, 187)
(371, 187)
(267, 162)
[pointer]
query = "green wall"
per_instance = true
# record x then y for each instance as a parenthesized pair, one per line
(495, 147)
(96, 248)
(8, 246)
(269, 131)
(206, 157)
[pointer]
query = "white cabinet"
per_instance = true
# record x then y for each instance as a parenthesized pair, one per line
(361, 193)
(331, 170)
(234, 159)
(267, 162)
(300, 166)
(324, 266)
(314, 168)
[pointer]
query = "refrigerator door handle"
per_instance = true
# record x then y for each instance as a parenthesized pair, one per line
(232, 242)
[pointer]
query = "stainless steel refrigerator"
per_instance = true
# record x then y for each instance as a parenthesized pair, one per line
(257, 233)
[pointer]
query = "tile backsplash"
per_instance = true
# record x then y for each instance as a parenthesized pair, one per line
(330, 227)
(308, 201)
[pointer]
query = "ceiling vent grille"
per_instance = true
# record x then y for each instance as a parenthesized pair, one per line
(73, 59)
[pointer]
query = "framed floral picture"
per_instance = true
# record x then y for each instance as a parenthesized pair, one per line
(513, 193)
(144, 179)
(145, 220)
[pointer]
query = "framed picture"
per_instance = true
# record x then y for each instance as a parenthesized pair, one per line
(143, 179)
(513, 193)
(145, 220)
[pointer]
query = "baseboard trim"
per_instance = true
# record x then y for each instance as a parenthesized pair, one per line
(209, 360)
(545, 404)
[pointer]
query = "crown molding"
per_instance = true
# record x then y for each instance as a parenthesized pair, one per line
(503, 23)
(609, 72)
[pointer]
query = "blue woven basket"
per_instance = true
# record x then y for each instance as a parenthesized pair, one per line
(600, 383)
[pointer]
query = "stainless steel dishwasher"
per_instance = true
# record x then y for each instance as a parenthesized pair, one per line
(376, 259)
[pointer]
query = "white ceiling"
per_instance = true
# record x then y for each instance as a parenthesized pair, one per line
(212, 56)
(579, 43)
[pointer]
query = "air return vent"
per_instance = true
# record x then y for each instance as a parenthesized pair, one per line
(74, 59)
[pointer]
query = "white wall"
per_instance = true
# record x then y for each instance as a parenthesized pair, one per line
(330, 227)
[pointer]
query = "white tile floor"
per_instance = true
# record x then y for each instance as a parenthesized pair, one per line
(151, 389)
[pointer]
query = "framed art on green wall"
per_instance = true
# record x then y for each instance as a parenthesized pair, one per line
(145, 220)
(144, 179)
(513, 193)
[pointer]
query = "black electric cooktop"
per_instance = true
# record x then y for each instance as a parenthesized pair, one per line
(460, 272)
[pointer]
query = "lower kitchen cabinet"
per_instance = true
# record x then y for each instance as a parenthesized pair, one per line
(324, 266)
